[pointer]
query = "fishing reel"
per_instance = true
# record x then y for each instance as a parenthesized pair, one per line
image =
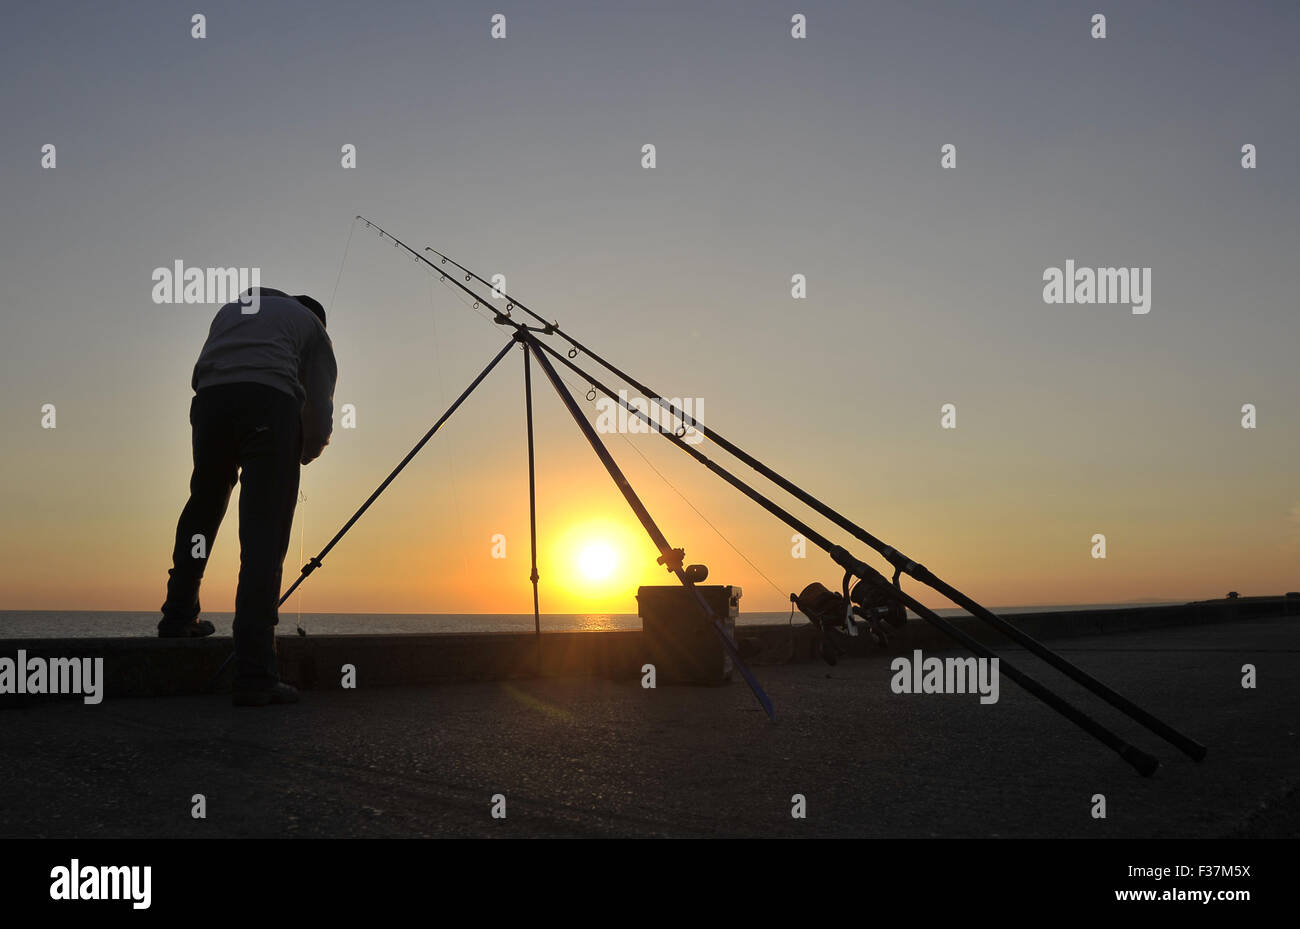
(873, 600)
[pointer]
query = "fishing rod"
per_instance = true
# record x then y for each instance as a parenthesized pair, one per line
(1144, 763)
(317, 560)
(900, 562)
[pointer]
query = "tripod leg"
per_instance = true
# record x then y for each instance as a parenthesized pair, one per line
(532, 500)
(315, 562)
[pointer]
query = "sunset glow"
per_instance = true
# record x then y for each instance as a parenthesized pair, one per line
(597, 563)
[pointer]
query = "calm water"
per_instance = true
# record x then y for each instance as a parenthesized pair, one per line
(32, 624)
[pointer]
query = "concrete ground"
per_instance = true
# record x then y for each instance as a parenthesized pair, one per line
(582, 757)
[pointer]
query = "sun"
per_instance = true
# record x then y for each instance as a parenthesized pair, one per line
(597, 561)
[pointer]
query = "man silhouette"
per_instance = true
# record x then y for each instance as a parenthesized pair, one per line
(263, 405)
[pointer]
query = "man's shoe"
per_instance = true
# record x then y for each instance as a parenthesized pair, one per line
(192, 630)
(280, 693)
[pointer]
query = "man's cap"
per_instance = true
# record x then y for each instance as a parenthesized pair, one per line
(313, 305)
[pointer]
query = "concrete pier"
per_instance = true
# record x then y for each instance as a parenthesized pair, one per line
(591, 756)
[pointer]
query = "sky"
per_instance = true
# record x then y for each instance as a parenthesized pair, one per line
(775, 156)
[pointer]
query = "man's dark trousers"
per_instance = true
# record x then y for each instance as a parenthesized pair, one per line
(254, 432)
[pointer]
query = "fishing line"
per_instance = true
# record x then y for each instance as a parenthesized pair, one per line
(455, 472)
(759, 571)
(302, 547)
(338, 277)
(707, 522)
(302, 495)
(474, 307)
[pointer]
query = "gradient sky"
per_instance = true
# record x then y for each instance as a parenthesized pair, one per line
(776, 156)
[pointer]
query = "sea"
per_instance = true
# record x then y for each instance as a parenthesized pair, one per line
(42, 624)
